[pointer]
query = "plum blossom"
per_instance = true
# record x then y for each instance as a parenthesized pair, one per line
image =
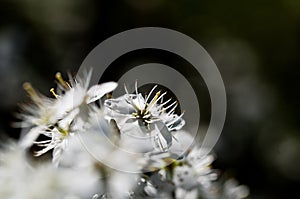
(59, 118)
(145, 118)
(21, 179)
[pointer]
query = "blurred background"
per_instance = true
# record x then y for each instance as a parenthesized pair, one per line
(255, 44)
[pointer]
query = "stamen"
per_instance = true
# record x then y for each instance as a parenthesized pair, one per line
(160, 97)
(135, 86)
(42, 142)
(145, 116)
(71, 80)
(68, 84)
(61, 80)
(173, 109)
(135, 114)
(63, 132)
(174, 103)
(53, 93)
(153, 101)
(150, 93)
(161, 105)
(31, 92)
(136, 92)
(126, 89)
(131, 101)
(175, 120)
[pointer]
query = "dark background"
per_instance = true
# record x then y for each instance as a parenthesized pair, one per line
(255, 44)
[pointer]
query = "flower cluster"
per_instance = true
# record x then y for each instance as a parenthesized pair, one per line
(132, 146)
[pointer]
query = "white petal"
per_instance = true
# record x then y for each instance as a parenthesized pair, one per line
(121, 183)
(56, 155)
(163, 137)
(98, 91)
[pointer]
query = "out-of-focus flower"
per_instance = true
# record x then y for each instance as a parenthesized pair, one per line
(174, 176)
(89, 149)
(97, 146)
(156, 160)
(19, 179)
(140, 118)
(195, 171)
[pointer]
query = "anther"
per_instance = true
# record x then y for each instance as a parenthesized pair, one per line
(61, 80)
(153, 101)
(53, 93)
(31, 92)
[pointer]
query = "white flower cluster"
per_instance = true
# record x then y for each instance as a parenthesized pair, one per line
(132, 146)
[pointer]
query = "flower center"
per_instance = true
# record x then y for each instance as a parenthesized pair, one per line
(143, 113)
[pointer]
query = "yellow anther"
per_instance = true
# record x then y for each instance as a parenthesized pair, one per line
(27, 87)
(31, 92)
(53, 93)
(153, 101)
(61, 80)
(158, 93)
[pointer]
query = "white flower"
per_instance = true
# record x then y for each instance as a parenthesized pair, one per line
(146, 155)
(181, 177)
(19, 179)
(97, 145)
(90, 150)
(58, 119)
(142, 118)
(197, 169)
(156, 160)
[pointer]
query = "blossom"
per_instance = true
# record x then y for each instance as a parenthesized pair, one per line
(143, 118)
(132, 147)
(58, 118)
(21, 179)
(195, 170)
(96, 145)
(157, 160)
(174, 176)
